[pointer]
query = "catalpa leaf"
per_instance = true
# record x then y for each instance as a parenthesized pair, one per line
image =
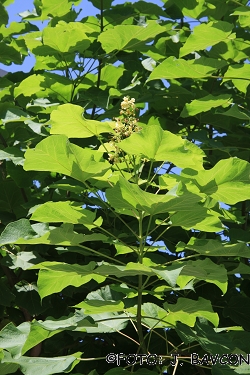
(22, 232)
(129, 37)
(53, 277)
(173, 68)
(244, 15)
(12, 338)
(127, 196)
(45, 85)
(226, 182)
(206, 35)
(57, 154)
(215, 248)
(45, 366)
(200, 218)
(238, 74)
(66, 212)
(187, 310)
(68, 119)
(16, 230)
(205, 104)
(98, 307)
(204, 270)
(206, 336)
(66, 37)
(156, 144)
(56, 8)
(191, 8)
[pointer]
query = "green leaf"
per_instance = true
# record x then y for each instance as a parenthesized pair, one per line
(204, 270)
(42, 330)
(205, 104)
(10, 113)
(56, 9)
(98, 307)
(173, 68)
(129, 37)
(4, 18)
(23, 259)
(11, 197)
(57, 154)
(199, 218)
(110, 75)
(21, 232)
(244, 15)
(191, 8)
(66, 212)
(13, 338)
(226, 182)
(10, 53)
(238, 74)
(45, 366)
(6, 296)
(235, 112)
(127, 196)
(169, 274)
(238, 309)
(19, 229)
(105, 3)
(210, 341)
(156, 144)
(215, 248)
(8, 368)
(66, 37)
(68, 119)
(54, 277)
(187, 310)
(206, 35)
(44, 85)
(108, 322)
(13, 154)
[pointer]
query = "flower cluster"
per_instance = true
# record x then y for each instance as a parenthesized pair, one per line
(124, 126)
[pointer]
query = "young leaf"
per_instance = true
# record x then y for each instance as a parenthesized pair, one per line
(57, 154)
(68, 119)
(162, 146)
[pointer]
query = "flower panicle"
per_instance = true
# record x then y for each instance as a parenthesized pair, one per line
(124, 126)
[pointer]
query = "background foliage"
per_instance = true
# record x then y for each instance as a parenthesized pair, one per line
(131, 243)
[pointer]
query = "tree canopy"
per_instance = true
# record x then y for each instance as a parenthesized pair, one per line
(124, 206)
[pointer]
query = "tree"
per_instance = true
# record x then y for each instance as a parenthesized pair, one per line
(125, 234)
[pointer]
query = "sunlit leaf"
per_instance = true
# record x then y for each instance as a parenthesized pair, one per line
(206, 35)
(215, 248)
(129, 196)
(173, 68)
(65, 212)
(57, 154)
(66, 37)
(163, 146)
(129, 37)
(227, 181)
(205, 104)
(238, 74)
(68, 119)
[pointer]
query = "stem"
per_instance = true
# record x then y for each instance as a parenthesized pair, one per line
(149, 174)
(149, 182)
(140, 288)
